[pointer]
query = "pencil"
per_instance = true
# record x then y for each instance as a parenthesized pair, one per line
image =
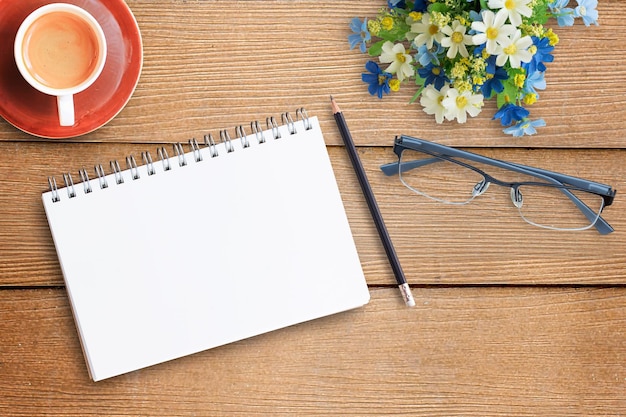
(405, 290)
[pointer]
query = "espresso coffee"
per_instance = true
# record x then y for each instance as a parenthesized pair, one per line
(60, 50)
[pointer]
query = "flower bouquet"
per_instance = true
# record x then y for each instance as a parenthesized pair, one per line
(461, 52)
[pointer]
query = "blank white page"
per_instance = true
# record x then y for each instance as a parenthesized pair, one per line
(208, 253)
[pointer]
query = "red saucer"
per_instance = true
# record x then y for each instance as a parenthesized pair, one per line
(36, 113)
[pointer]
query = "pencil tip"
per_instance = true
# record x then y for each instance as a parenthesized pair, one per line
(334, 105)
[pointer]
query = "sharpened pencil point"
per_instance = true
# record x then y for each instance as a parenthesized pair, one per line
(334, 105)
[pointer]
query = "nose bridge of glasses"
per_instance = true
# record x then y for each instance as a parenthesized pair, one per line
(516, 197)
(480, 188)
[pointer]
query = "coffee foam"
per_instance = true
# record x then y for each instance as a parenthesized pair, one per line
(60, 50)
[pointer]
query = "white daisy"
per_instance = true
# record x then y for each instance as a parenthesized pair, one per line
(399, 60)
(431, 100)
(459, 105)
(492, 30)
(425, 32)
(456, 40)
(515, 9)
(515, 50)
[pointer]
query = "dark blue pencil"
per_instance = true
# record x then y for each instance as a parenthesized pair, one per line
(373, 206)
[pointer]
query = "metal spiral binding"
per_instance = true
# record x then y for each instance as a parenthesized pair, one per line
(301, 113)
(241, 135)
(84, 178)
(54, 190)
(225, 137)
(288, 120)
(147, 161)
(164, 157)
(131, 163)
(195, 148)
(101, 176)
(69, 185)
(179, 152)
(258, 132)
(210, 143)
(271, 124)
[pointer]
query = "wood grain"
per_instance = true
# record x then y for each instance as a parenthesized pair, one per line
(471, 352)
(510, 319)
(210, 65)
(483, 243)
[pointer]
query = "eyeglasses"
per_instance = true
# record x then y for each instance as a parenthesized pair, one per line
(543, 198)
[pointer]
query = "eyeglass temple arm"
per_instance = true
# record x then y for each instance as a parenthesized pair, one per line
(601, 225)
(430, 147)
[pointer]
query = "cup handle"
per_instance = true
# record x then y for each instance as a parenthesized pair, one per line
(65, 105)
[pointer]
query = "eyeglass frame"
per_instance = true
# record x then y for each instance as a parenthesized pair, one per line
(561, 181)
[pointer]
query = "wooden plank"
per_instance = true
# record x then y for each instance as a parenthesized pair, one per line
(485, 242)
(471, 352)
(201, 72)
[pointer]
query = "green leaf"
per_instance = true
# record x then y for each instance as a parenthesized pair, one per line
(438, 7)
(417, 94)
(377, 48)
(509, 94)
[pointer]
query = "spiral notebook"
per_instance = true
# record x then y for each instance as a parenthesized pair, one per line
(204, 245)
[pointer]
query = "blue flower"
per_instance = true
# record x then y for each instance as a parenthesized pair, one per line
(495, 76)
(535, 81)
(361, 34)
(494, 82)
(564, 15)
(401, 4)
(543, 54)
(434, 74)
(377, 79)
(426, 56)
(524, 127)
(510, 113)
(587, 11)
(420, 6)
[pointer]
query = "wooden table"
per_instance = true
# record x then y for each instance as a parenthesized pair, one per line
(510, 319)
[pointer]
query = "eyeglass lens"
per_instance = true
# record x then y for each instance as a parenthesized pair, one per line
(455, 183)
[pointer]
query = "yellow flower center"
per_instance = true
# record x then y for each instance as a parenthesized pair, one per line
(381, 79)
(401, 57)
(461, 102)
(509, 4)
(457, 37)
(492, 34)
(433, 29)
(511, 49)
(530, 98)
(436, 71)
(387, 23)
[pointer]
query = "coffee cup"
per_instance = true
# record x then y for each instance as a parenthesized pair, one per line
(60, 49)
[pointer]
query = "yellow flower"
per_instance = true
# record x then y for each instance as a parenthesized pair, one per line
(530, 98)
(387, 23)
(459, 70)
(519, 80)
(374, 27)
(553, 37)
(394, 84)
(463, 85)
(414, 17)
(478, 64)
(440, 19)
(478, 80)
